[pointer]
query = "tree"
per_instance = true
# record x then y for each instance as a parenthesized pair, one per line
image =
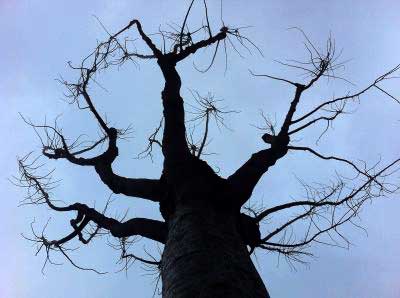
(205, 228)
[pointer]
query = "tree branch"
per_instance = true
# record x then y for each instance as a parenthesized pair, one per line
(247, 176)
(201, 44)
(350, 96)
(144, 227)
(342, 209)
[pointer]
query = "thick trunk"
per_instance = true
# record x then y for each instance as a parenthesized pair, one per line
(205, 257)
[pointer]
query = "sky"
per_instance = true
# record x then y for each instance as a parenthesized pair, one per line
(39, 37)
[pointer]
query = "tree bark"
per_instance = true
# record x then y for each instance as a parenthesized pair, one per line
(205, 256)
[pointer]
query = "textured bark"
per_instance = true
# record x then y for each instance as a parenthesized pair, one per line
(205, 256)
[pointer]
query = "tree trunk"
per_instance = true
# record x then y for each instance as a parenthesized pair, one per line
(205, 256)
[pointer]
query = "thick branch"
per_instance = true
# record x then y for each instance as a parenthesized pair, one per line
(247, 176)
(149, 189)
(148, 228)
(174, 134)
(201, 44)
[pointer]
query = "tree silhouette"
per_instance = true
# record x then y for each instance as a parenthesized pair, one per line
(209, 232)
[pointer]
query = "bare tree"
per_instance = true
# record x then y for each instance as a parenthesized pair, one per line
(209, 232)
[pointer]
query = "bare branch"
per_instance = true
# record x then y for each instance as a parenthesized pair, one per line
(274, 78)
(319, 155)
(327, 205)
(350, 96)
(38, 194)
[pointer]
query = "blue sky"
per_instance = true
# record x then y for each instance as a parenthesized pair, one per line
(39, 37)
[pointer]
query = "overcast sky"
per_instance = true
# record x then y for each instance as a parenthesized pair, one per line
(39, 37)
